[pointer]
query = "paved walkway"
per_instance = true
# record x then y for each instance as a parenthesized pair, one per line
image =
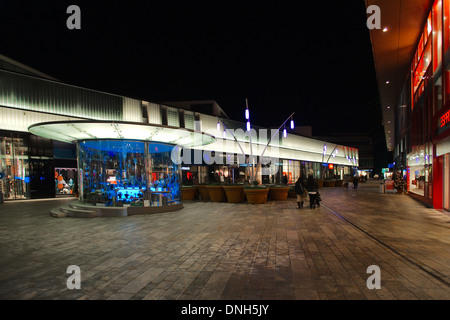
(227, 251)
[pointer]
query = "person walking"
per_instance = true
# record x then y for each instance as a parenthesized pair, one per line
(300, 190)
(313, 188)
(355, 181)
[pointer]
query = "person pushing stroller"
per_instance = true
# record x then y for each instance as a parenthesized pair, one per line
(313, 192)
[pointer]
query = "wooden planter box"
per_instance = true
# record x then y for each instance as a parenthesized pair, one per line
(278, 193)
(189, 193)
(320, 183)
(329, 183)
(256, 195)
(339, 183)
(292, 194)
(217, 194)
(203, 192)
(235, 194)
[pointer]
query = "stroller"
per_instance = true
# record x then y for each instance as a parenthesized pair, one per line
(317, 199)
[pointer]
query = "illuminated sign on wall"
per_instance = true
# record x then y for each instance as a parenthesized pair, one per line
(330, 166)
(444, 119)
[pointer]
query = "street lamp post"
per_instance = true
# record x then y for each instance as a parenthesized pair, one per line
(248, 127)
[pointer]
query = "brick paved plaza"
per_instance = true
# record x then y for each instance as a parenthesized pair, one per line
(225, 251)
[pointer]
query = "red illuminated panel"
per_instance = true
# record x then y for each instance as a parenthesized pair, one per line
(444, 119)
(330, 166)
(437, 34)
(446, 23)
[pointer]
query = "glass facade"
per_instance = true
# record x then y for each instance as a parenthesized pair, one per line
(14, 166)
(128, 173)
(291, 169)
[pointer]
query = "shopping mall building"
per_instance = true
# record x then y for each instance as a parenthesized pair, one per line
(412, 61)
(58, 139)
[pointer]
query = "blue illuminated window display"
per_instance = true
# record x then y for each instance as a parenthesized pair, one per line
(117, 173)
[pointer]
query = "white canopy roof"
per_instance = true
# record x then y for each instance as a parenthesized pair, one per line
(71, 131)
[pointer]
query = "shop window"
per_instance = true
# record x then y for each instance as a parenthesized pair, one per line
(419, 165)
(65, 181)
(14, 164)
(291, 170)
(123, 173)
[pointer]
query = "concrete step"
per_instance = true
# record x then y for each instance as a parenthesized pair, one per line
(101, 211)
(68, 211)
(56, 213)
(81, 210)
(81, 213)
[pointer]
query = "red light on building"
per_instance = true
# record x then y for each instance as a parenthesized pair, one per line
(330, 166)
(444, 119)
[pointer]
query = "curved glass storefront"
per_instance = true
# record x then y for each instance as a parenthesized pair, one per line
(128, 173)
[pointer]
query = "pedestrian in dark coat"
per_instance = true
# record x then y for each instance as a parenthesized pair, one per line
(313, 190)
(355, 182)
(300, 190)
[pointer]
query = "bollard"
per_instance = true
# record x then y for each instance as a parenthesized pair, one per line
(382, 188)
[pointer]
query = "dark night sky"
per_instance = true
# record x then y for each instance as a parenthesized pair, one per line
(311, 57)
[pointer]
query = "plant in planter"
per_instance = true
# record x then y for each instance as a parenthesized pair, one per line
(278, 193)
(255, 193)
(189, 192)
(292, 193)
(216, 193)
(320, 182)
(203, 191)
(329, 183)
(399, 182)
(234, 192)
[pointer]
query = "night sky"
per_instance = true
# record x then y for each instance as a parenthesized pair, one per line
(311, 57)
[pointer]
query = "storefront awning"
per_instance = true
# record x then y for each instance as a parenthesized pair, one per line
(71, 131)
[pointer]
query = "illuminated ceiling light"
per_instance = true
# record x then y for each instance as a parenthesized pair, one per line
(387, 82)
(224, 134)
(247, 114)
(385, 29)
(389, 107)
(218, 125)
(284, 132)
(292, 123)
(248, 125)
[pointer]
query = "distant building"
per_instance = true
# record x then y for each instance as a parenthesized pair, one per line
(57, 139)
(363, 142)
